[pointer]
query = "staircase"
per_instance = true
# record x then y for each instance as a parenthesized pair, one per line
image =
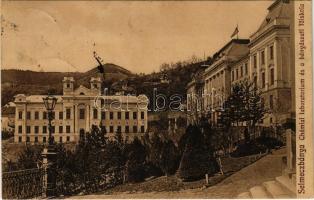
(283, 186)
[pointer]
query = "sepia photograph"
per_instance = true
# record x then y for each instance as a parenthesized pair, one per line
(156, 99)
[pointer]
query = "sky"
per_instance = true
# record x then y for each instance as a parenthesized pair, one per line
(139, 36)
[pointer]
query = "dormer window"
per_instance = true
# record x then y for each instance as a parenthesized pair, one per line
(95, 85)
(68, 85)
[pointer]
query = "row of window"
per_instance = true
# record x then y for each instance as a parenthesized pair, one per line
(68, 129)
(44, 139)
(263, 77)
(81, 115)
(44, 129)
(44, 115)
(243, 71)
(263, 57)
(111, 115)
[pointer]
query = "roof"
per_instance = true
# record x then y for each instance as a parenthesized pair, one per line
(39, 98)
(128, 98)
(279, 9)
(225, 48)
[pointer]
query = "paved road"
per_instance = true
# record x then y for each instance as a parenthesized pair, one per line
(265, 169)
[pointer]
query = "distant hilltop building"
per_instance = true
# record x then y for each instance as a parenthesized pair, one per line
(75, 113)
(266, 59)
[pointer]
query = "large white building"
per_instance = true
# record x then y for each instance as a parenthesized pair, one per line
(75, 113)
(266, 58)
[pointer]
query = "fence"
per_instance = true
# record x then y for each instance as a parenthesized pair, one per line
(23, 184)
(30, 183)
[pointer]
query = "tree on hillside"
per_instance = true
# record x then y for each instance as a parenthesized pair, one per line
(169, 158)
(196, 160)
(135, 164)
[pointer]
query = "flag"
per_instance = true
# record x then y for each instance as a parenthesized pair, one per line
(235, 32)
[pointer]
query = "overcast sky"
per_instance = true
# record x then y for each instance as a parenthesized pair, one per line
(140, 36)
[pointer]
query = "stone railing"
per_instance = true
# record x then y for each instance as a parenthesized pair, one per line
(23, 184)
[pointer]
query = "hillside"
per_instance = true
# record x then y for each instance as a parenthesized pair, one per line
(15, 81)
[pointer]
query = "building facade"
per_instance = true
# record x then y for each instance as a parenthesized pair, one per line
(266, 58)
(76, 111)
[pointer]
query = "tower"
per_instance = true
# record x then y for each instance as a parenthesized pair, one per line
(95, 84)
(68, 85)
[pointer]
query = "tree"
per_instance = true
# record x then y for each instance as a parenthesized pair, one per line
(196, 160)
(135, 165)
(168, 158)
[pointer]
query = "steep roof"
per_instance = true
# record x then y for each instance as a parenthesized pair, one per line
(279, 9)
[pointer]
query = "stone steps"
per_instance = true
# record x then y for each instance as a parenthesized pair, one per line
(281, 187)
(259, 192)
(245, 195)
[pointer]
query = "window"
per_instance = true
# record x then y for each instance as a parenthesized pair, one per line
(68, 138)
(28, 115)
(135, 115)
(95, 86)
(246, 69)
(60, 115)
(127, 130)
(28, 139)
(44, 129)
(134, 129)
(119, 115)
(103, 115)
(271, 102)
(241, 73)
(44, 140)
(237, 74)
(36, 129)
(111, 129)
(20, 139)
(255, 81)
(20, 129)
(68, 113)
(36, 139)
(142, 129)
(272, 76)
(36, 115)
(52, 129)
(111, 115)
(271, 52)
(44, 115)
(95, 114)
(142, 115)
(119, 129)
(60, 139)
(232, 75)
(28, 129)
(82, 113)
(68, 85)
(68, 129)
(263, 57)
(60, 129)
(20, 115)
(255, 61)
(271, 120)
(263, 79)
(127, 115)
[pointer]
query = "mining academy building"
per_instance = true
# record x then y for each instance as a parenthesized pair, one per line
(266, 59)
(76, 111)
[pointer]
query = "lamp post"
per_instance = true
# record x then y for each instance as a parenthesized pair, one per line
(49, 151)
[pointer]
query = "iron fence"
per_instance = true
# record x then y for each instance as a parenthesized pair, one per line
(23, 184)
